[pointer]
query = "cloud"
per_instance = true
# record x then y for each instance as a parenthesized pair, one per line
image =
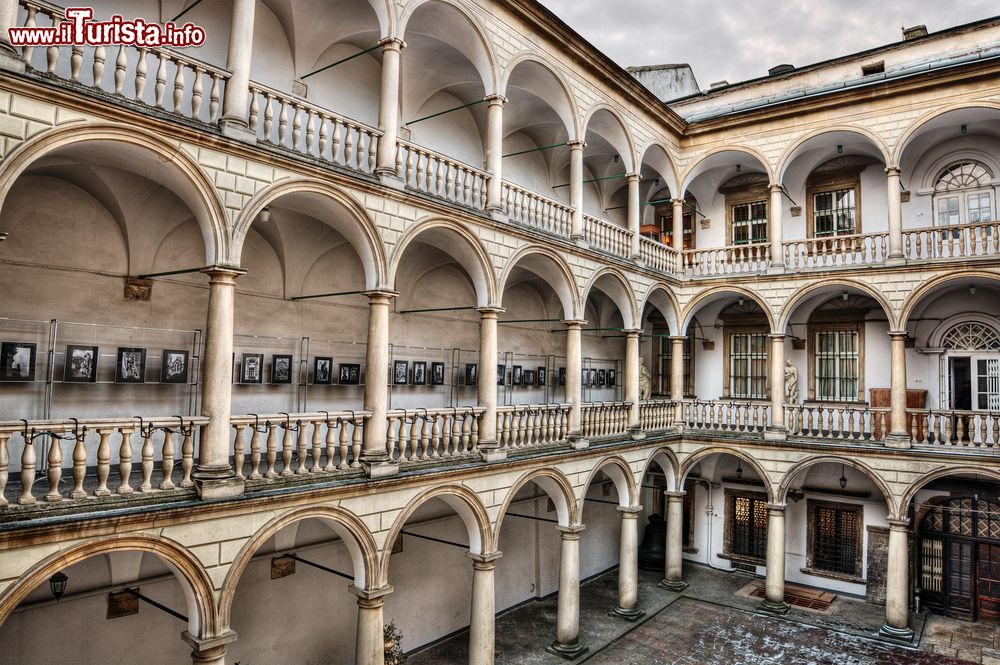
(735, 40)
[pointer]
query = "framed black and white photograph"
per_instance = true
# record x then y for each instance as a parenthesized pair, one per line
(131, 365)
(562, 376)
(81, 364)
(471, 374)
(400, 369)
(602, 377)
(501, 374)
(540, 376)
(252, 368)
(419, 373)
(612, 378)
(437, 374)
(350, 374)
(515, 375)
(528, 377)
(174, 366)
(281, 368)
(17, 361)
(592, 377)
(322, 370)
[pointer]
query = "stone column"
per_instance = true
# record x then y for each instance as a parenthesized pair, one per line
(634, 214)
(388, 110)
(776, 430)
(576, 189)
(677, 232)
(677, 376)
(775, 229)
(574, 365)
(494, 152)
(487, 385)
(673, 575)
(897, 584)
(236, 103)
(213, 476)
(208, 651)
(482, 622)
(10, 56)
(374, 456)
(774, 590)
(567, 642)
(899, 431)
(632, 380)
(370, 641)
(893, 190)
(628, 565)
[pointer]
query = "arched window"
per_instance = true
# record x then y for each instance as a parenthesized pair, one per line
(963, 194)
(972, 336)
(973, 357)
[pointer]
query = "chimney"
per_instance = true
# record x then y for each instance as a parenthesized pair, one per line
(914, 32)
(780, 69)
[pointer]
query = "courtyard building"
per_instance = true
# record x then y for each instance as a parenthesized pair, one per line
(366, 313)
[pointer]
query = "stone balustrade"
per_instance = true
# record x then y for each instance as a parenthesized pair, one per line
(734, 259)
(658, 256)
(527, 425)
(432, 173)
(601, 419)
(955, 429)
(959, 241)
(536, 211)
(844, 422)
(416, 435)
(607, 237)
(724, 415)
(656, 414)
(859, 250)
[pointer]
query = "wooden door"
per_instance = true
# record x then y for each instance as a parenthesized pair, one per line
(988, 582)
(960, 578)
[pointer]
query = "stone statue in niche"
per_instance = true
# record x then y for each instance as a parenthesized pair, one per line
(645, 380)
(791, 383)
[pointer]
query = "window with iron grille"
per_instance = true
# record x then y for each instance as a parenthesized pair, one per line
(837, 366)
(748, 365)
(836, 537)
(747, 525)
(834, 213)
(749, 222)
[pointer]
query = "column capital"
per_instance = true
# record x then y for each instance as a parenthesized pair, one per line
(490, 310)
(674, 495)
(776, 187)
(574, 323)
(893, 171)
(218, 271)
(380, 294)
(898, 524)
(489, 557)
(206, 643)
(577, 144)
(776, 508)
(677, 338)
(629, 332)
(629, 512)
(897, 333)
(371, 594)
(676, 201)
(495, 99)
(777, 336)
(572, 532)
(635, 175)
(392, 43)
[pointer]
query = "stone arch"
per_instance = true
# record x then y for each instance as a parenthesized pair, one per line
(941, 472)
(572, 120)
(461, 245)
(487, 68)
(625, 150)
(910, 132)
(930, 285)
(554, 483)
(464, 502)
(857, 465)
(203, 621)
(557, 274)
(805, 292)
(620, 293)
(359, 542)
(621, 475)
(692, 169)
(663, 299)
(666, 459)
(790, 153)
(697, 457)
(362, 233)
(667, 164)
(687, 313)
(175, 167)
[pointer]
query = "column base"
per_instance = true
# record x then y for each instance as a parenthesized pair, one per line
(631, 615)
(211, 650)
(638, 260)
(219, 483)
(775, 434)
(498, 215)
(676, 586)
(636, 433)
(379, 468)
(893, 633)
(581, 241)
(894, 261)
(10, 62)
(776, 269)
(234, 129)
(897, 441)
(579, 442)
(771, 607)
(388, 178)
(567, 651)
(492, 454)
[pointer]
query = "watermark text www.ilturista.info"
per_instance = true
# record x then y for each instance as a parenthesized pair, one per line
(78, 28)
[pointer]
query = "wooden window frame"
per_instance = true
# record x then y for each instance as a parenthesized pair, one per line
(832, 183)
(727, 334)
(812, 506)
(849, 324)
(750, 196)
(727, 531)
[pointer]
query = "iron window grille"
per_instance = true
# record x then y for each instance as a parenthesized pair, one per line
(748, 365)
(837, 366)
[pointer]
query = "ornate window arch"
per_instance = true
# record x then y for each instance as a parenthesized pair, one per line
(964, 194)
(971, 336)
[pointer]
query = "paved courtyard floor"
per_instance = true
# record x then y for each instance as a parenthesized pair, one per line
(713, 621)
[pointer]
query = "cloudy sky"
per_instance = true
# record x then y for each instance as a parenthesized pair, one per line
(740, 39)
